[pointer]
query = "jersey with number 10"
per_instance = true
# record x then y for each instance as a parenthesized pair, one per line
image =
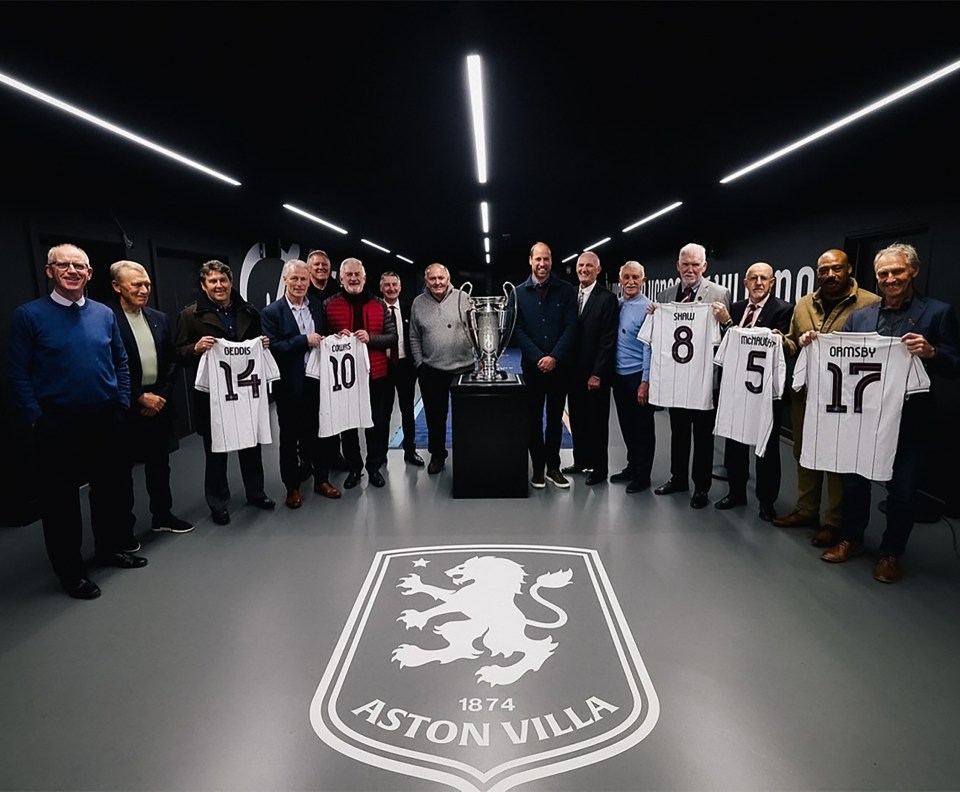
(856, 384)
(754, 371)
(682, 338)
(342, 364)
(235, 374)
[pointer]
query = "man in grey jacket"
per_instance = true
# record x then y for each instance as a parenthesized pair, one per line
(441, 352)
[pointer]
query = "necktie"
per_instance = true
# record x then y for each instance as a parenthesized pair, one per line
(393, 353)
(687, 294)
(580, 302)
(750, 316)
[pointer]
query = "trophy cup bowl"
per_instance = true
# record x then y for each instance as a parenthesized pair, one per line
(489, 323)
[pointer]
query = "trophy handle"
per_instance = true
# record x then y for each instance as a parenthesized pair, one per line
(467, 289)
(509, 314)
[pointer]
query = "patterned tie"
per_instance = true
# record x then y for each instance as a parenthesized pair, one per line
(393, 353)
(750, 316)
(580, 302)
(687, 294)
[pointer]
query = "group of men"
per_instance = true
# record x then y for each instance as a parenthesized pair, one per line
(337, 357)
(579, 345)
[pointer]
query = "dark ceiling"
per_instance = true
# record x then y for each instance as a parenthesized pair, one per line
(598, 113)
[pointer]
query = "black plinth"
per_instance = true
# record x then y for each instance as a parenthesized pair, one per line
(490, 438)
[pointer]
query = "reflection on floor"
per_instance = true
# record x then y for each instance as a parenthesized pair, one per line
(772, 670)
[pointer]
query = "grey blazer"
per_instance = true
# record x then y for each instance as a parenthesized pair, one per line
(708, 292)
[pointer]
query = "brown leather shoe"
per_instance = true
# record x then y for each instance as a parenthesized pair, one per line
(887, 569)
(326, 489)
(841, 552)
(796, 520)
(827, 536)
(294, 500)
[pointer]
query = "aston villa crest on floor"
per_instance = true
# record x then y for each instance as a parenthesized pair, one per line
(485, 666)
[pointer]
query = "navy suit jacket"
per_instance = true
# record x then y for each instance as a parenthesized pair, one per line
(167, 365)
(775, 314)
(596, 341)
(404, 307)
(288, 344)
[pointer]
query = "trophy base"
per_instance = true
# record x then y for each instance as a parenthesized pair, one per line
(501, 378)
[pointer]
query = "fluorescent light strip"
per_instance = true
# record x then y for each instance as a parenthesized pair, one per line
(648, 218)
(488, 258)
(314, 218)
(485, 217)
(570, 258)
(596, 244)
(476, 107)
(404, 258)
(486, 244)
(374, 245)
(897, 95)
(76, 111)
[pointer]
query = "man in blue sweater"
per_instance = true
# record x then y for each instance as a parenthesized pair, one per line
(71, 382)
(545, 331)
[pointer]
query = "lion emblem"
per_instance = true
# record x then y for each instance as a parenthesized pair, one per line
(485, 593)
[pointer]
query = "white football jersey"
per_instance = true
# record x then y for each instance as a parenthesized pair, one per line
(235, 374)
(856, 384)
(754, 371)
(342, 364)
(682, 338)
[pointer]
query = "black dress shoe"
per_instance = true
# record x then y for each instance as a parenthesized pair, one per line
(728, 502)
(82, 588)
(670, 487)
(767, 512)
(637, 486)
(699, 500)
(595, 477)
(436, 465)
(220, 516)
(623, 477)
(262, 502)
(413, 458)
(572, 470)
(352, 479)
(122, 560)
(376, 478)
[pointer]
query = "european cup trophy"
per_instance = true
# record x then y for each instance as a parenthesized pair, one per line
(489, 323)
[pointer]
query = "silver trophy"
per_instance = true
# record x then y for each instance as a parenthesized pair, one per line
(489, 324)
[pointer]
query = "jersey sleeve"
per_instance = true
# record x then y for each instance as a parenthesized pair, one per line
(202, 381)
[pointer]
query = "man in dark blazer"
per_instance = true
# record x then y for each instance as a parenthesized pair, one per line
(929, 329)
(761, 309)
(402, 374)
(592, 375)
(693, 287)
(147, 335)
(294, 325)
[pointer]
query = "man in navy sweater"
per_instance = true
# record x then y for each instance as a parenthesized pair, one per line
(71, 382)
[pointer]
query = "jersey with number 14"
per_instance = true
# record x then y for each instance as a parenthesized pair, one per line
(754, 371)
(682, 338)
(856, 384)
(235, 374)
(342, 364)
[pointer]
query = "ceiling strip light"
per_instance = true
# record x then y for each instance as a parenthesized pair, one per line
(374, 245)
(314, 218)
(648, 218)
(485, 217)
(76, 111)
(596, 244)
(476, 107)
(404, 258)
(916, 86)
(486, 244)
(569, 258)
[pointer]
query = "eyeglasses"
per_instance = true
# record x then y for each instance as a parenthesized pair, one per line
(63, 266)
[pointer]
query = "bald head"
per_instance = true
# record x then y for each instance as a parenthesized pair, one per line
(588, 268)
(759, 280)
(834, 274)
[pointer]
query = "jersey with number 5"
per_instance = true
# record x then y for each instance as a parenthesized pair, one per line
(342, 364)
(856, 384)
(235, 374)
(682, 339)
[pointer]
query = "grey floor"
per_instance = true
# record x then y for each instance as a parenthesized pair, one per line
(773, 670)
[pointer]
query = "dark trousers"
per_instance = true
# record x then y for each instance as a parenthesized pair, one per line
(216, 488)
(550, 391)
(912, 449)
(73, 449)
(636, 426)
(736, 458)
(375, 436)
(590, 423)
(435, 392)
(302, 452)
(403, 381)
(149, 439)
(697, 424)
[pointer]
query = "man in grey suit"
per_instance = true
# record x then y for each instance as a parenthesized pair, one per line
(691, 265)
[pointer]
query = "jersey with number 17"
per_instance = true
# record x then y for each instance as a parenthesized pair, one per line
(682, 338)
(235, 374)
(342, 365)
(856, 384)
